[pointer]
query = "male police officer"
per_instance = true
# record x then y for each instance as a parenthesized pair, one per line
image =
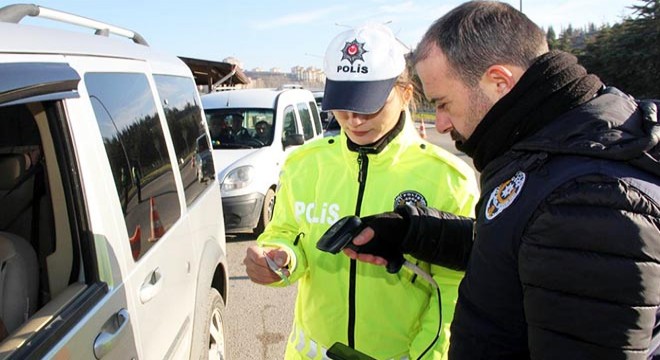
(566, 253)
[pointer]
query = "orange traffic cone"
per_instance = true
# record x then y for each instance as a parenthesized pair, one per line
(422, 130)
(157, 229)
(136, 242)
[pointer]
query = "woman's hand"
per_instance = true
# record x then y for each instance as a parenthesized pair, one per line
(258, 269)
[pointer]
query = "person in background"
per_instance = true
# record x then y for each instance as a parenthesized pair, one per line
(376, 162)
(238, 131)
(563, 261)
(219, 130)
(137, 181)
(263, 132)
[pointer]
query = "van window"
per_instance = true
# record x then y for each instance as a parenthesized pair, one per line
(137, 151)
(289, 123)
(186, 128)
(306, 120)
(317, 119)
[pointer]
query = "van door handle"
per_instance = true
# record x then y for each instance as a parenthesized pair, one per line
(151, 286)
(111, 334)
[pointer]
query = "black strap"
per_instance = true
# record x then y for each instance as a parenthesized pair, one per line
(42, 252)
(37, 192)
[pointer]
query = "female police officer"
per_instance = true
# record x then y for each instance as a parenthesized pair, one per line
(377, 162)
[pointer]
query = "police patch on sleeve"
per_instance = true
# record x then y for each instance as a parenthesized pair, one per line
(410, 197)
(504, 195)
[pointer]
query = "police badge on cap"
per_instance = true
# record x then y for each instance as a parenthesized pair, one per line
(361, 66)
(353, 51)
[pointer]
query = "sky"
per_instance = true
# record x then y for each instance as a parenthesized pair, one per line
(282, 34)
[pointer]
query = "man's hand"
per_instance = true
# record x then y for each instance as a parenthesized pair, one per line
(380, 243)
(257, 268)
(427, 234)
(361, 239)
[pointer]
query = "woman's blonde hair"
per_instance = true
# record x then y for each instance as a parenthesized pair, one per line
(408, 77)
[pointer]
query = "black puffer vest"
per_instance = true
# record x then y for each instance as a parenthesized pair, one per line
(566, 260)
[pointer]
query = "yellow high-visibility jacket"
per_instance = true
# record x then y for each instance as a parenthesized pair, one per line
(339, 300)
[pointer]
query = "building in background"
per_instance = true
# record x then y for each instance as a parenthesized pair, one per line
(211, 75)
(309, 77)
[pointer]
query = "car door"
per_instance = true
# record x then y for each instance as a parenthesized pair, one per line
(82, 311)
(159, 279)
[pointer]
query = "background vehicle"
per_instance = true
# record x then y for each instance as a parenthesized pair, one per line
(333, 128)
(330, 125)
(249, 163)
(318, 97)
(110, 246)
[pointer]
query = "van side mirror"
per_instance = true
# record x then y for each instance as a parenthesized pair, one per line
(294, 139)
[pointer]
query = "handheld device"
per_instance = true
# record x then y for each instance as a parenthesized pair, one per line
(339, 351)
(341, 234)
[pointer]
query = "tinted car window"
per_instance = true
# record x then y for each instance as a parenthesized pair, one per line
(318, 128)
(289, 125)
(129, 123)
(185, 124)
(306, 121)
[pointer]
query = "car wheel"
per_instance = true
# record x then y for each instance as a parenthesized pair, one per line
(266, 212)
(213, 334)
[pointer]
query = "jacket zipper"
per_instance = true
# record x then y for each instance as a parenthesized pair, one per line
(363, 166)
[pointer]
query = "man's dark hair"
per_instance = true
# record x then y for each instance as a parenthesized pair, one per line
(262, 122)
(478, 34)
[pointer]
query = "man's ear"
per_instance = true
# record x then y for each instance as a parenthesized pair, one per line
(498, 80)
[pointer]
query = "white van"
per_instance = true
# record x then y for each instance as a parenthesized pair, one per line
(252, 131)
(110, 246)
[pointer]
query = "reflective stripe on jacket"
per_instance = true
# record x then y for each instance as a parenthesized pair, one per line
(384, 315)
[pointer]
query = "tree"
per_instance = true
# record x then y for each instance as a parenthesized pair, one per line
(627, 55)
(564, 41)
(645, 30)
(551, 38)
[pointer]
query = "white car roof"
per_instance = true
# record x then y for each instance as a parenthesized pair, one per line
(30, 39)
(251, 98)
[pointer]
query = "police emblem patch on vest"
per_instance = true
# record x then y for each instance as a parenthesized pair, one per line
(504, 195)
(410, 197)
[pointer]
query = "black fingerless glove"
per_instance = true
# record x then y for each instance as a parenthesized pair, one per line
(427, 234)
(438, 237)
(389, 229)
(340, 236)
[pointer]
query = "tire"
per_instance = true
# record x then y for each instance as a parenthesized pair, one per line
(212, 341)
(266, 212)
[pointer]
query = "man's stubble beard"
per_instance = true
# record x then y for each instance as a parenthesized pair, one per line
(479, 105)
